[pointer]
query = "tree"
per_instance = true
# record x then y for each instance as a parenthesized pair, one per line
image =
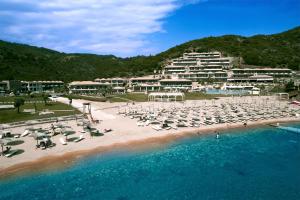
(18, 103)
(105, 91)
(109, 89)
(289, 86)
(45, 97)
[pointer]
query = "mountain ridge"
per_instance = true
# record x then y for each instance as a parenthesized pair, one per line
(26, 62)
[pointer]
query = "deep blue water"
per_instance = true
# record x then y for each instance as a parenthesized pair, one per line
(261, 163)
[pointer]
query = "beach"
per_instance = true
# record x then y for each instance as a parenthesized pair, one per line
(125, 134)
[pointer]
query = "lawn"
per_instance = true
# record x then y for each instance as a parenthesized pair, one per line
(200, 96)
(138, 97)
(59, 109)
(141, 97)
(88, 98)
(26, 98)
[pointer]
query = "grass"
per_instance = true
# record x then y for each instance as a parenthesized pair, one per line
(7, 116)
(88, 98)
(25, 97)
(200, 96)
(141, 97)
(138, 97)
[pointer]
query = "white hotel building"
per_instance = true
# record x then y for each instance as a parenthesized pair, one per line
(184, 74)
(200, 67)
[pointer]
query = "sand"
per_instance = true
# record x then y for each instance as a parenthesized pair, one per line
(125, 134)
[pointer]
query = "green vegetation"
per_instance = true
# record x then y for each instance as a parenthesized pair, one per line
(25, 97)
(18, 103)
(200, 96)
(45, 97)
(138, 97)
(26, 62)
(141, 97)
(59, 109)
(289, 86)
(88, 98)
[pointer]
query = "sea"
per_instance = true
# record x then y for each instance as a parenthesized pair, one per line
(257, 163)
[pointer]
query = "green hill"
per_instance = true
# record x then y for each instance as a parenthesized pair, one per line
(24, 62)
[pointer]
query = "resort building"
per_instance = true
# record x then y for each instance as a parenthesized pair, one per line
(175, 84)
(152, 79)
(40, 86)
(253, 79)
(114, 82)
(3, 87)
(210, 66)
(247, 89)
(117, 84)
(146, 87)
(145, 83)
(86, 87)
(276, 73)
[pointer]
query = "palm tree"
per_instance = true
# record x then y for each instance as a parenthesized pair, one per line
(18, 103)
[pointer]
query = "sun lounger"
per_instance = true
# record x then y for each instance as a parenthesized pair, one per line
(11, 153)
(62, 141)
(156, 127)
(26, 132)
(79, 139)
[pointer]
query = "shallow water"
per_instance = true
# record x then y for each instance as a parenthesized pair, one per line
(260, 163)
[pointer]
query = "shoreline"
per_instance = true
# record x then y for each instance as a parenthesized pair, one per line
(67, 159)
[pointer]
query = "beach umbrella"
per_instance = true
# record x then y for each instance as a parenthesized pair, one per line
(39, 136)
(4, 142)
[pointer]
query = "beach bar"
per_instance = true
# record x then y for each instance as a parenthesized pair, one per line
(166, 96)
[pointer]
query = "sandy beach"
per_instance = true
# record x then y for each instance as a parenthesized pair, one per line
(125, 134)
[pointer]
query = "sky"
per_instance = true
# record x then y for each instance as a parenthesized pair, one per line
(138, 27)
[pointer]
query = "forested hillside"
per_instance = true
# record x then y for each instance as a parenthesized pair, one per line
(24, 62)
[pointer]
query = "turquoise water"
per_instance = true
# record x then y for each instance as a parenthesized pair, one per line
(261, 163)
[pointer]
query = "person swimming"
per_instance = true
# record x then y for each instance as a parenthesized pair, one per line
(218, 135)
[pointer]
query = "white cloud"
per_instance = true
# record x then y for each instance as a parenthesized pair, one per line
(101, 26)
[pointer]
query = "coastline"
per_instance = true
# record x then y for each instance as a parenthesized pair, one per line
(66, 159)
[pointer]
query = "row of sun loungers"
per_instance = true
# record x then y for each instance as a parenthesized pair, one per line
(193, 115)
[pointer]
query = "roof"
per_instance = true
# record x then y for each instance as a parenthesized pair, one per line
(86, 83)
(145, 78)
(202, 53)
(108, 79)
(166, 94)
(147, 85)
(259, 69)
(175, 80)
(260, 76)
(118, 88)
(42, 82)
